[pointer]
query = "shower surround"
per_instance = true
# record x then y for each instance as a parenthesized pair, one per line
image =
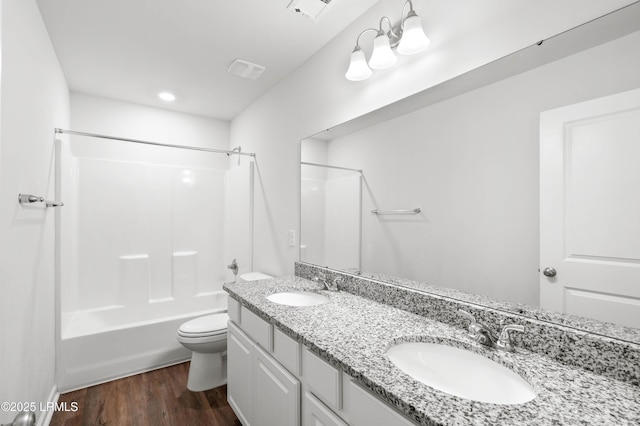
(141, 249)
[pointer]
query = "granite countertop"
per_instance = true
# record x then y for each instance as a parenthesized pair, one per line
(353, 333)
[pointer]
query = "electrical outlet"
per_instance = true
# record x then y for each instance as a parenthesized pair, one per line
(292, 237)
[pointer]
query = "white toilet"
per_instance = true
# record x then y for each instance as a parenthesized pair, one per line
(206, 337)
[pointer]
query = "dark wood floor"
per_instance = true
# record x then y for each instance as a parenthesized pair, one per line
(157, 397)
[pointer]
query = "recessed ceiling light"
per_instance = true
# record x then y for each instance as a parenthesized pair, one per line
(166, 96)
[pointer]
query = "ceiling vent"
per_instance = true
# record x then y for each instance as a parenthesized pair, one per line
(245, 69)
(311, 9)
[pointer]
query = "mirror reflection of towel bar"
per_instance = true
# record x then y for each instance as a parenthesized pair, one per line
(380, 212)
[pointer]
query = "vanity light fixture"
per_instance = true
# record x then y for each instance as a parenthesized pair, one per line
(408, 39)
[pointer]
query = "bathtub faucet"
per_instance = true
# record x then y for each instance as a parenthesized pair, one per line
(234, 266)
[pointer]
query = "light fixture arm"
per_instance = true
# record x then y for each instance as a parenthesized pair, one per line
(361, 34)
(381, 31)
(411, 13)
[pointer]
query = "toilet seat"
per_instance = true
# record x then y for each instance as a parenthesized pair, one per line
(209, 325)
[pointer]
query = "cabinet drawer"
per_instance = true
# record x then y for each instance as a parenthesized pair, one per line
(287, 351)
(257, 328)
(233, 307)
(323, 379)
(315, 413)
(364, 409)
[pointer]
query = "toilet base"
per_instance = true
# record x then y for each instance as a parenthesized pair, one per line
(207, 371)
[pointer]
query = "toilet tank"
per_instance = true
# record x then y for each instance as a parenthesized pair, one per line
(254, 276)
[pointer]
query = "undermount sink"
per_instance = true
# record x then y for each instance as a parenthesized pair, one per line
(461, 373)
(298, 298)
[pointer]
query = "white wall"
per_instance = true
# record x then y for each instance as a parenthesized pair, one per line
(317, 96)
(471, 164)
(95, 114)
(34, 100)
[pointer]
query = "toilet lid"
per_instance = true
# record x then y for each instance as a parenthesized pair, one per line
(209, 325)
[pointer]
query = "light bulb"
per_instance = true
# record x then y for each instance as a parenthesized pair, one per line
(358, 68)
(382, 56)
(413, 38)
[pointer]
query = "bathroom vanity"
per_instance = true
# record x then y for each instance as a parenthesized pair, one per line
(275, 379)
(326, 362)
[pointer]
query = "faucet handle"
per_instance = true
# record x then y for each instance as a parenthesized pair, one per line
(478, 332)
(474, 327)
(320, 278)
(336, 283)
(467, 315)
(504, 341)
(328, 284)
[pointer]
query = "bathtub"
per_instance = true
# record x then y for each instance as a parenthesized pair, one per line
(98, 345)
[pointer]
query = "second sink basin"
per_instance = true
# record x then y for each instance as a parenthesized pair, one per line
(298, 298)
(461, 373)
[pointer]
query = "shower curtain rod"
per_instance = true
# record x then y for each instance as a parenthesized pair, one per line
(305, 163)
(193, 148)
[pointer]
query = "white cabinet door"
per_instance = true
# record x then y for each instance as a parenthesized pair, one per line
(277, 393)
(317, 414)
(590, 209)
(240, 354)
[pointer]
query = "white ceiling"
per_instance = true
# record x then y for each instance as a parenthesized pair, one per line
(132, 49)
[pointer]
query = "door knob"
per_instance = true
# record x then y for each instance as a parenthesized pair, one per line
(549, 272)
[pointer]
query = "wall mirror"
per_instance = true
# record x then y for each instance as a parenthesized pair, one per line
(440, 191)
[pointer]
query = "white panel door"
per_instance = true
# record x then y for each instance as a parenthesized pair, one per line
(590, 209)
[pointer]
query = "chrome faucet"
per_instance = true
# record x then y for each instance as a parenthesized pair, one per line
(504, 342)
(327, 283)
(480, 333)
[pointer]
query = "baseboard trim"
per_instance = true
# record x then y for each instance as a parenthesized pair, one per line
(124, 373)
